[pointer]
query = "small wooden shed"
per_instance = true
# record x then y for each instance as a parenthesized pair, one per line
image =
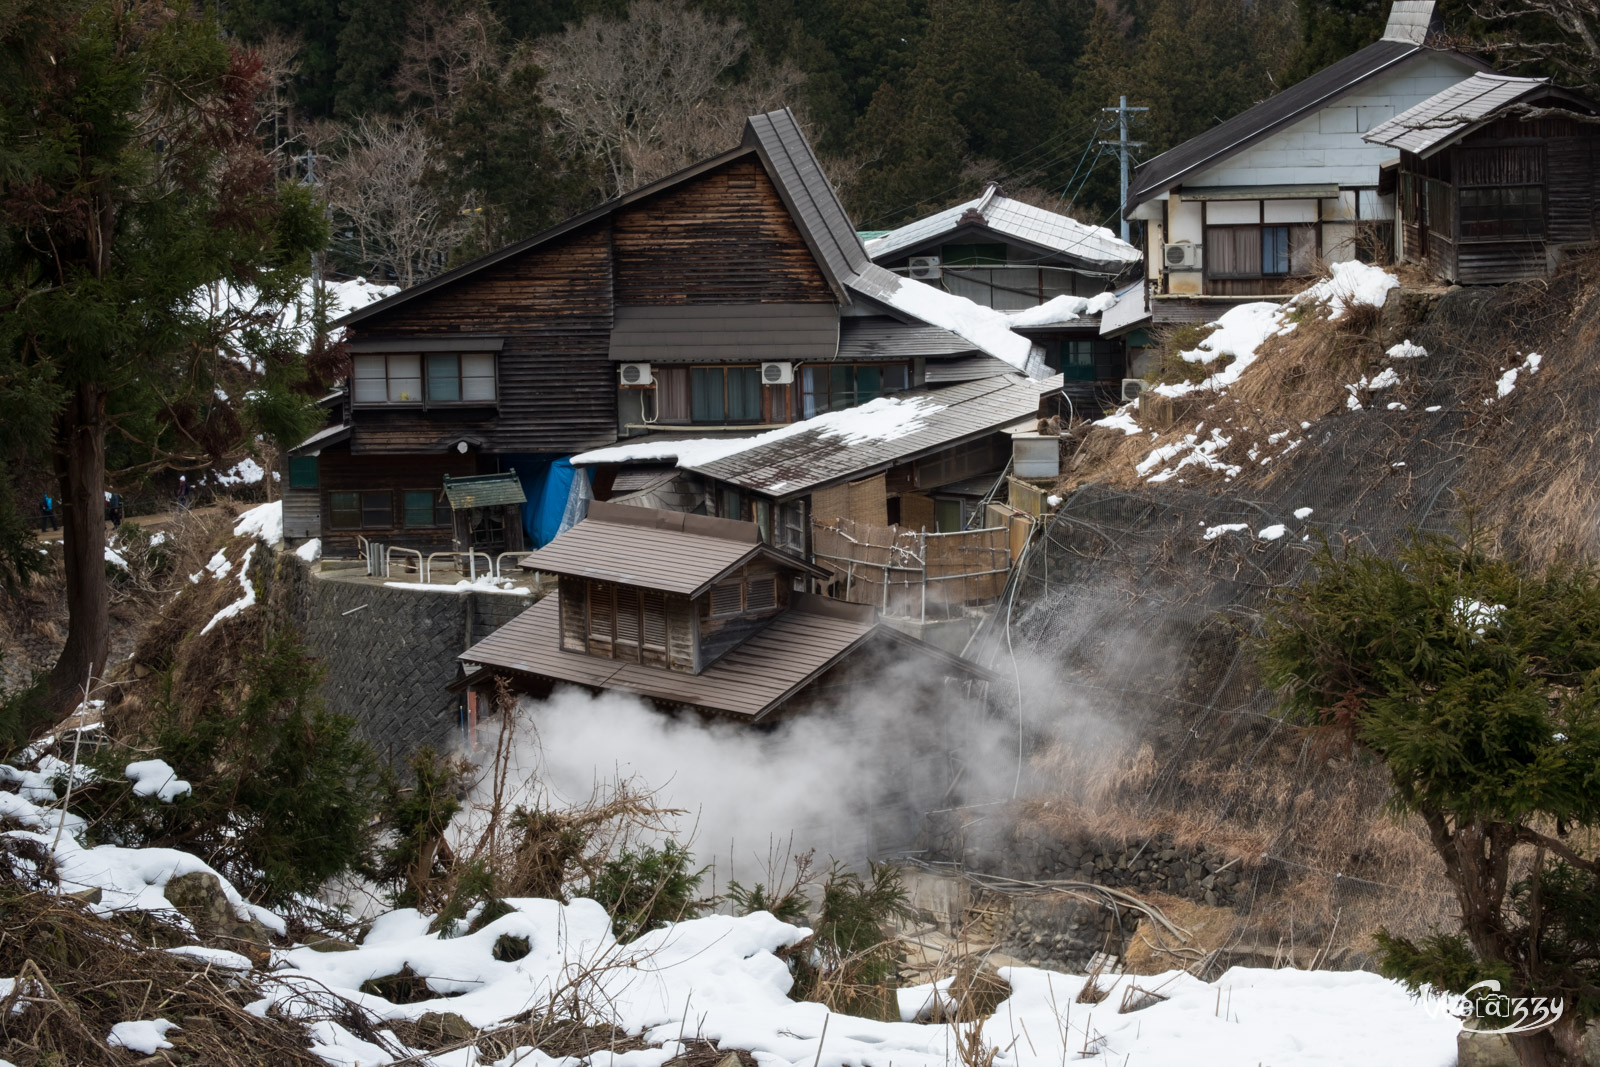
(487, 510)
(1497, 178)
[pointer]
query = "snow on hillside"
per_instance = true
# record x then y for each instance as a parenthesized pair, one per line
(718, 979)
(1240, 334)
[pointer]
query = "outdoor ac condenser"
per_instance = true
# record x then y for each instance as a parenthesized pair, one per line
(925, 268)
(1182, 256)
(777, 373)
(1131, 389)
(634, 374)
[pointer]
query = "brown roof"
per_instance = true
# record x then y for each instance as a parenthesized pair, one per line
(666, 550)
(753, 679)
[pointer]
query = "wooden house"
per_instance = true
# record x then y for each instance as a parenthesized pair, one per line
(1497, 179)
(696, 613)
(1005, 254)
(1247, 209)
(715, 300)
(1049, 271)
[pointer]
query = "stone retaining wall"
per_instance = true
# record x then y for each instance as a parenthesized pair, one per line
(390, 655)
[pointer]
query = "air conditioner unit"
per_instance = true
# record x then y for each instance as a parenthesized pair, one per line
(634, 374)
(925, 268)
(1132, 388)
(777, 373)
(1183, 256)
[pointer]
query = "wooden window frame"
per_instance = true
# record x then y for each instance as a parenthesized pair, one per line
(825, 371)
(300, 481)
(361, 496)
(423, 401)
(436, 520)
(428, 399)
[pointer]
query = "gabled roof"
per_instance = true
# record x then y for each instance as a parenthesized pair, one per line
(668, 551)
(1043, 231)
(753, 680)
(1403, 40)
(1448, 116)
(776, 139)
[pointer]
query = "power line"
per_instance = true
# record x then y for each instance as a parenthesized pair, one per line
(1038, 152)
(1123, 146)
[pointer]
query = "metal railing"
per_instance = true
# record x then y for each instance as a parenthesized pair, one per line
(499, 568)
(388, 561)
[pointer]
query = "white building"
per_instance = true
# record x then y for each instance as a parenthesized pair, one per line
(1247, 208)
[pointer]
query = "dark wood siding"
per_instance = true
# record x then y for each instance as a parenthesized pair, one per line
(340, 471)
(557, 389)
(724, 238)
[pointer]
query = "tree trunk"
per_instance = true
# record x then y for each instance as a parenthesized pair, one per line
(81, 468)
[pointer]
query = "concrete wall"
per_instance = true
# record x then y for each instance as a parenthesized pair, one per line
(390, 655)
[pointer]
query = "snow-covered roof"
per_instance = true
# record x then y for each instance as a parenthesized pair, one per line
(1445, 116)
(844, 445)
(1014, 219)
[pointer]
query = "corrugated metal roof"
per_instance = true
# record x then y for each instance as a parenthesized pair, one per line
(969, 369)
(1160, 174)
(664, 550)
(753, 680)
(1410, 21)
(801, 462)
(483, 491)
(716, 333)
(328, 435)
(1042, 229)
(1445, 116)
(880, 337)
(1131, 309)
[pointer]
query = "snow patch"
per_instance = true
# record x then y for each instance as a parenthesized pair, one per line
(311, 551)
(1214, 532)
(1062, 309)
(245, 601)
(1121, 419)
(245, 472)
(144, 1036)
(988, 329)
(156, 778)
(1303, 513)
(1191, 451)
(265, 522)
(1273, 532)
(1406, 350)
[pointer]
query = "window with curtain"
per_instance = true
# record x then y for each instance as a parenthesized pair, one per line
(672, 394)
(398, 378)
(725, 394)
(1260, 251)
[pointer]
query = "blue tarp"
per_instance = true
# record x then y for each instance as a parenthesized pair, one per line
(557, 492)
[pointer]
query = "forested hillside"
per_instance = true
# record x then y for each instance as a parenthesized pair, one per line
(440, 128)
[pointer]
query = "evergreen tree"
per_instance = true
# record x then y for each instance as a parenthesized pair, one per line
(370, 45)
(131, 180)
(1477, 683)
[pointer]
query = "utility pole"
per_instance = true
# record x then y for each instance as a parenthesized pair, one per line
(1123, 145)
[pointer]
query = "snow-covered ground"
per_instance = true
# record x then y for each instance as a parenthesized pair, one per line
(1240, 334)
(718, 978)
